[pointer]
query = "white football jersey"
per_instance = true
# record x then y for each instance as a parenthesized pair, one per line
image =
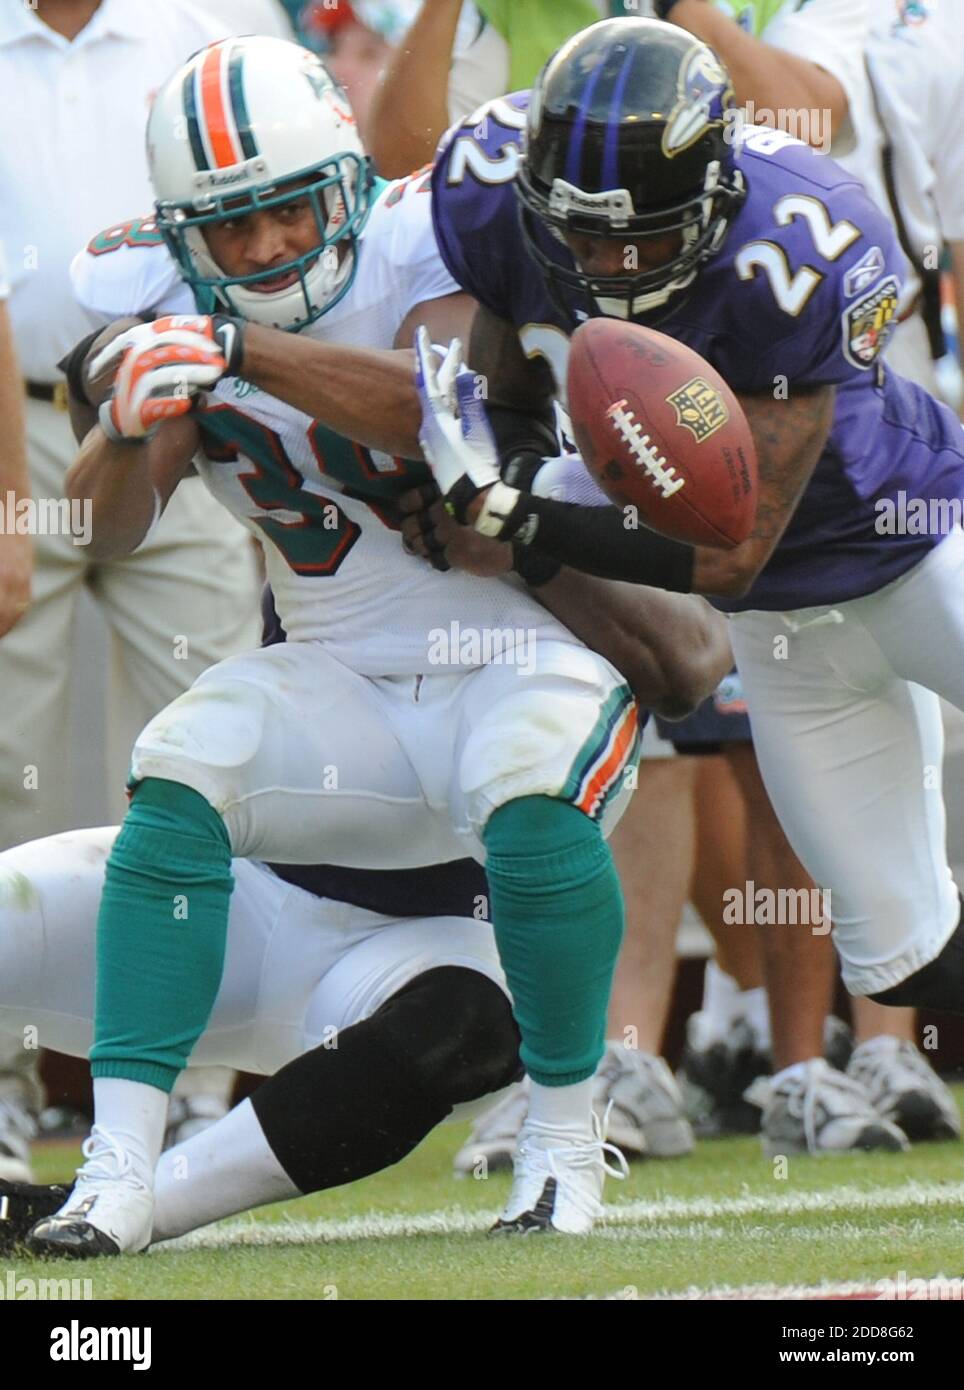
(320, 503)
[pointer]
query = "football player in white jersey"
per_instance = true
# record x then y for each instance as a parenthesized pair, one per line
(414, 716)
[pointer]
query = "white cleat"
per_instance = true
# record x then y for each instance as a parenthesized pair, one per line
(558, 1186)
(643, 1102)
(819, 1110)
(492, 1144)
(17, 1129)
(109, 1211)
(904, 1088)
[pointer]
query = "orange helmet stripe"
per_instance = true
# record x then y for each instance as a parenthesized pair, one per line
(222, 137)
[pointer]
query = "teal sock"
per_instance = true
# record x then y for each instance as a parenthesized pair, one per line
(161, 934)
(557, 910)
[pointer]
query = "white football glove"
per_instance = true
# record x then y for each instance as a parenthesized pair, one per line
(457, 439)
(163, 366)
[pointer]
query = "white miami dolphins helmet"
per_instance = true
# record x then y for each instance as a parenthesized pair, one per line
(248, 124)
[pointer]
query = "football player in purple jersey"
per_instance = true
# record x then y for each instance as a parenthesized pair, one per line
(623, 186)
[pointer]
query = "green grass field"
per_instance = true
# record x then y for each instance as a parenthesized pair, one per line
(722, 1217)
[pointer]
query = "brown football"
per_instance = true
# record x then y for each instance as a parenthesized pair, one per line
(661, 431)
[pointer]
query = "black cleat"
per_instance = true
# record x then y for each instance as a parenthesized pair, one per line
(538, 1221)
(68, 1238)
(22, 1205)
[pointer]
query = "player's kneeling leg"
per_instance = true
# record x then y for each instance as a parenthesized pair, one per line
(338, 1114)
(341, 1112)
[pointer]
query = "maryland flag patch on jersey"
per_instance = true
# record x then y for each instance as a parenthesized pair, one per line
(869, 322)
(700, 408)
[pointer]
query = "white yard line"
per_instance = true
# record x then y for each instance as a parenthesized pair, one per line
(664, 1214)
(871, 1292)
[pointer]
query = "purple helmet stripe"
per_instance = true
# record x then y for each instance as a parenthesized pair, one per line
(610, 170)
(574, 154)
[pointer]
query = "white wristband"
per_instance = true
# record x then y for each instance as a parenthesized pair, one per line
(500, 501)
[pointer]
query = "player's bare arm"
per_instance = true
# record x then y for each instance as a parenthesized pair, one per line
(512, 380)
(769, 77)
(672, 648)
(16, 551)
(790, 436)
(128, 486)
(363, 393)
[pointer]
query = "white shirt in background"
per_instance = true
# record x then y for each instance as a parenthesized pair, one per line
(72, 158)
(831, 33)
(247, 17)
(918, 72)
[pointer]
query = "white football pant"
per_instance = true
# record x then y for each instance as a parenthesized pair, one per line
(848, 735)
(307, 761)
(298, 969)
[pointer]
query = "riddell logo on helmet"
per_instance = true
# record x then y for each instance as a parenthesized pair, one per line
(616, 203)
(225, 178)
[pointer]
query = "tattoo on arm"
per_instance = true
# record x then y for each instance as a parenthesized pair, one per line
(790, 436)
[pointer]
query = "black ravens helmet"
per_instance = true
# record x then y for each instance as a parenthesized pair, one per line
(631, 133)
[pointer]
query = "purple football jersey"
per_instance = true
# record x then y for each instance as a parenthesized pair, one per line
(802, 292)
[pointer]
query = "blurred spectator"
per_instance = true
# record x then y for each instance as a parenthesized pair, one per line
(455, 57)
(297, 11)
(797, 67)
(355, 50)
(249, 17)
(915, 166)
(16, 551)
(76, 78)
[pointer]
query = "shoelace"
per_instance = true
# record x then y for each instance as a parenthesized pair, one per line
(105, 1159)
(586, 1154)
(600, 1128)
(804, 1099)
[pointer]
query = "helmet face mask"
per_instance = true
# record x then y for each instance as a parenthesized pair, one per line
(627, 139)
(249, 127)
(339, 195)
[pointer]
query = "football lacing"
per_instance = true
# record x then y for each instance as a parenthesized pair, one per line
(661, 475)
